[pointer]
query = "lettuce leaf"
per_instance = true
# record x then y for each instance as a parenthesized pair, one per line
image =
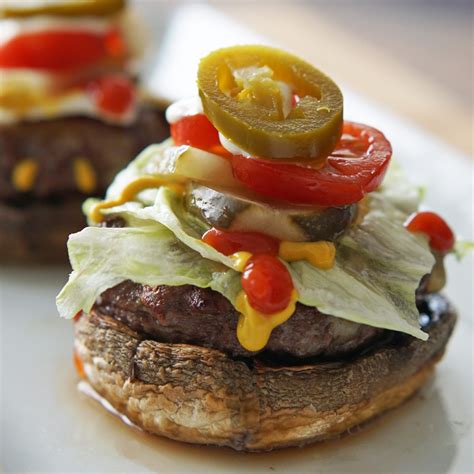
(398, 190)
(103, 257)
(377, 270)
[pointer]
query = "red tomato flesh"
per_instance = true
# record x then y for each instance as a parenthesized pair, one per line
(440, 235)
(112, 94)
(57, 51)
(355, 167)
(227, 242)
(196, 131)
(267, 284)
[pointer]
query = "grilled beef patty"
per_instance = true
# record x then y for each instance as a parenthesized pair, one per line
(54, 144)
(35, 224)
(188, 314)
(38, 233)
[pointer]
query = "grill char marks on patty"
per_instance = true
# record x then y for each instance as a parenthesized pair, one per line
(201, 316)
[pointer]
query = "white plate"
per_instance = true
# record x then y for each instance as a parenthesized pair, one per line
(48, 425)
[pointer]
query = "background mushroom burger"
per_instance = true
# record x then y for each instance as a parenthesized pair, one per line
(259, 280)
(71, 117)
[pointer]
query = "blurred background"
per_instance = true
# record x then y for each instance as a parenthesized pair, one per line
(414, 57)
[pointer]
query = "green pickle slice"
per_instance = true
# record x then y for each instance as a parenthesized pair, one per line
(20, 8)
(246, 92)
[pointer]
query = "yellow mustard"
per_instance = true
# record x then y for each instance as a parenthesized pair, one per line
(129, 193)
(240, 260)
(85, 176)
(254, 328)
(24, 175)
(320, 254)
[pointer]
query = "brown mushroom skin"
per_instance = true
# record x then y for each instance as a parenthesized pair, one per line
(200, 395)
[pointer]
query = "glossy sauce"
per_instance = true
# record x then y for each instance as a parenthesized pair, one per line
(268, 297)
(230, 242)
(129, 193)
(240, 260)
(254, 327)
(319, 254)
(440, 235)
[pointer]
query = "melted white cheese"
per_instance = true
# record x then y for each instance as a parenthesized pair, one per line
(231, 147)
(184, 108)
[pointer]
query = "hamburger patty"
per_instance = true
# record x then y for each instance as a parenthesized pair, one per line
(188, 314)
(38, 232)
(54, 144)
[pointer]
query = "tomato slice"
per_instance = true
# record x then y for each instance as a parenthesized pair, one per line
(440, 235)
(228, 242)
(355, 167)
(112, 94)
(196, 131)
(59, 51)
(267, 284)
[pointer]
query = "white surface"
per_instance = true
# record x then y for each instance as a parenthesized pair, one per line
(47, 425)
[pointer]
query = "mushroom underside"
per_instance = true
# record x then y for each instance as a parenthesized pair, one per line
(200, 395)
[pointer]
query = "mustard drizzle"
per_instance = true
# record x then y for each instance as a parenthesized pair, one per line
(254, 328)
(129, 193)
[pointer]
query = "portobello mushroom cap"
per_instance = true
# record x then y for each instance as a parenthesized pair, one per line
(200, 395)
(231, 211)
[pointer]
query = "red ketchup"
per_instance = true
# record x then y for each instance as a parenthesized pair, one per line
(265, 280)
(440, 235)
(77, 316)
(267, 284)
(227, 242)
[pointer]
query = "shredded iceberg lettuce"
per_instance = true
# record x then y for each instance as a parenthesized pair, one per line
(378, 263)
(150, 254)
